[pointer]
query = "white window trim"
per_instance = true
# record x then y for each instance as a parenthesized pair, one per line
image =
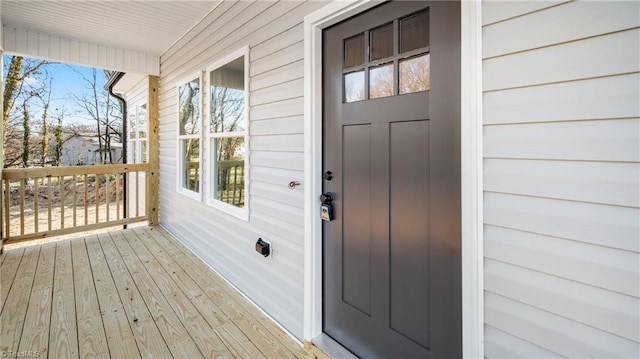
(242, 213)
(179, 185)
(471, 168)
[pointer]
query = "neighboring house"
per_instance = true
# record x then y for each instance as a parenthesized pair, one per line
(489, 210)
(83, 150)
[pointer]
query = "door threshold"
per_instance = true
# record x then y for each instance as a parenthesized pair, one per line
(332, 348)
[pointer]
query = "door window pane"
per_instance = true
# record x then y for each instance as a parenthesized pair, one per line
(229, 175)
(414, 31)
(354, 51)
(382, 42)
(354, 86)
(191, 164)
(415, 74)
(381, 81)
(189, 107)
(227, 97)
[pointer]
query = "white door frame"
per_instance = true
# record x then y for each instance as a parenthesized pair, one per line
(471, 167)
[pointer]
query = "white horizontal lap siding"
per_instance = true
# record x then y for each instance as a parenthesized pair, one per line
(273, 31)
(561, 112)
(38, 44)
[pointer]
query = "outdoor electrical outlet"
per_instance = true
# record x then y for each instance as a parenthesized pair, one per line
(263, 247)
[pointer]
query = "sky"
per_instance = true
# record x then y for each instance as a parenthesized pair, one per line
(67, 80)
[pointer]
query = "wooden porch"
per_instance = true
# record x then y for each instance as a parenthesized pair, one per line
(125, 294)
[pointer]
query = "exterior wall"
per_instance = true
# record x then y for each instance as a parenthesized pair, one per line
(136, 96)
(274, 33)
(561, 85)
(78, 151)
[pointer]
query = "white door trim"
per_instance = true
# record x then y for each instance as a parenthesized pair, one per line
(471, 168)
(471, 181)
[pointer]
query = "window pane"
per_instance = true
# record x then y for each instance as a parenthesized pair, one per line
(142, 121)
(415, 74)
(414, 31)
(191, 164)
(132, 125)
(143, 151)
(354, 51)
(229, 172)
(382, 42)
(227, 97)
(132, 154)
(189, 107)
(354, 86)
(381, 81)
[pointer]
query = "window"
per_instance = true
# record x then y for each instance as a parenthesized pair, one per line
(138, 135)
(189, 123)
(227, 135)
(389, 60)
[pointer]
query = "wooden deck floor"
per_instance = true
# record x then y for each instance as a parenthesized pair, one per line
(127, 294)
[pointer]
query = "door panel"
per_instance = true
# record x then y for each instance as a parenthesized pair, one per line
(409, 235)
(357, 215)
(391, 256)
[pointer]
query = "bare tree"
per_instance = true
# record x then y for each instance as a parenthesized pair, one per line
(97, 105)
(44, 143)
(21, 86)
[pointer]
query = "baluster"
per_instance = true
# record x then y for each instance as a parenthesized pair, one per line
(36, 194)
(49, 195)
(96, 196)
(22, 205)
(107, 194)
(86, 198)
(118, 195)
(61, 180)
(75, 199)
(7, 206)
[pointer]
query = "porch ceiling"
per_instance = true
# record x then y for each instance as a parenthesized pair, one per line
(150, 26)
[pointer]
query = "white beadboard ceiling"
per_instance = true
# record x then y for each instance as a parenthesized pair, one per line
(149, 26)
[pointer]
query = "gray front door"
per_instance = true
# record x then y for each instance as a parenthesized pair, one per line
(391, 140)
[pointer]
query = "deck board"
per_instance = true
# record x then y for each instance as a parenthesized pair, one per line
(173, 330)
(207, 340)
(15, 309)
(35, 337)
(116, 324)
(10, 263)
(127, 294)
(230, 334)
(63, 341)
(231, 304)
(146, 333)
(92, 340)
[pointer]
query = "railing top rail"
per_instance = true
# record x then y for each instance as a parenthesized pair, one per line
(20, 173)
